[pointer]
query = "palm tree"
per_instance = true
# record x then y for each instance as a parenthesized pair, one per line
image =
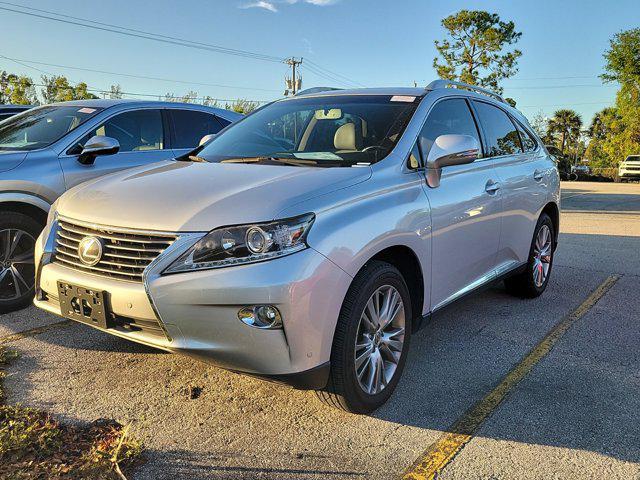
(567, 124)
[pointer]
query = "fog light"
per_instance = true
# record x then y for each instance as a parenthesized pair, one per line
(261, 316)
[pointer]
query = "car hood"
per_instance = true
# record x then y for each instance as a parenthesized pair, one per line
(186, 196)
(10, 159)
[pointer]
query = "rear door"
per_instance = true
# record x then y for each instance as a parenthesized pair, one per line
(189, 126)
(523, 172)
(142, 138)
(465, 210)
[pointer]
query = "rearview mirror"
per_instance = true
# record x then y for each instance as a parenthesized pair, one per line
(449, 150)
(207, 138)
(98, 145)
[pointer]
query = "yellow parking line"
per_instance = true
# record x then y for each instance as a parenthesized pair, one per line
(442, 451)
(33, 331)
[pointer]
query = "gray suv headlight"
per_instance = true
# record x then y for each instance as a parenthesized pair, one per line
(242, 244)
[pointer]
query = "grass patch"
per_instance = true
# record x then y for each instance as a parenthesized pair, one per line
(35, 446)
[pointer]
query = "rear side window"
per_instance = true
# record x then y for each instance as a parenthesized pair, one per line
(447, 117)
(502, 136)
(190, 126)
(528, 142)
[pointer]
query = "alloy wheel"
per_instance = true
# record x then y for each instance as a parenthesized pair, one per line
(380, 339)
(542, 256)
(16, 263)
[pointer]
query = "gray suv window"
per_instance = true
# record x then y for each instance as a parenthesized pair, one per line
(189, 126)
(501, 133)
(447, 117)
(136, 131)
(528, 142)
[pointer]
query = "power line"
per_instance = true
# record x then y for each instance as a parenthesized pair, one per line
(151, 36)
(338, 75)
(130, 75)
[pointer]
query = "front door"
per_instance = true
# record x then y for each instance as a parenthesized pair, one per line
(465, 210)
(142, 140)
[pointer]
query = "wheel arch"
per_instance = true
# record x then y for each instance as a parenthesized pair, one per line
(553, 211)
(33, 211)
(407, 262)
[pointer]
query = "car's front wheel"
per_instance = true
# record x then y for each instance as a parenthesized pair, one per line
(371, 340)
(534, 279)
(18, 234)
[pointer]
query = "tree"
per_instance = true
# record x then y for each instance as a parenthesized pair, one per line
(17, 89)
(115, 92)
(474, 53)
(539, 124)
(565, 127)
(623, 58)
(242, 106)
(57, 89)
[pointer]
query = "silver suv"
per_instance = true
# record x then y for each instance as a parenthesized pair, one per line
(311, 239)
(49, 149)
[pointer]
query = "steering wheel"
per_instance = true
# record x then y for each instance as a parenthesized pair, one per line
(373, 147)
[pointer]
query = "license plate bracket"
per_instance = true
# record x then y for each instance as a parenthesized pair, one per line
(84, 304)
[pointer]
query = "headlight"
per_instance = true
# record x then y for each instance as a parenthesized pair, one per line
(237, 245)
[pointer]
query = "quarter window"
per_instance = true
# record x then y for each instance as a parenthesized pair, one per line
(502, 136)
(528, 142)
(447, 117)
(136, 131)
(190, 126)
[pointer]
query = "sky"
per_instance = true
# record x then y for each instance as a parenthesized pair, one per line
(364, 42)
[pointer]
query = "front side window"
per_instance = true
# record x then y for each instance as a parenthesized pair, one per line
(448, 117)
(323, 131)
(136, 131)
(190, 126)
(502, 136)
(40, 127)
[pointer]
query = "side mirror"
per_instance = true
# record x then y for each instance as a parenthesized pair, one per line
(449, 150)
(98, 145)
(207, 138)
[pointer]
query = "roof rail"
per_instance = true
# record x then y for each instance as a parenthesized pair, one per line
(310, 91)
(436, 84)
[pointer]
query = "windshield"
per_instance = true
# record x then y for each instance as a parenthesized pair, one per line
(318, 131)
(40, 127)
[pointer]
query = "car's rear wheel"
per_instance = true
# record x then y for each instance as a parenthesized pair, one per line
(534, 279)
(18, 233)
(371, 340)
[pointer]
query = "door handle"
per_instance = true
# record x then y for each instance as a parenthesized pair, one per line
(492, 187)
(538, 175)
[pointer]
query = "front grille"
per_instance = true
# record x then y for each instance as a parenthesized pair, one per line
(126, 253)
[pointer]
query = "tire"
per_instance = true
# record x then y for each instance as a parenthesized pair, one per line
(345, 390)
(18, 233)
(527, 284)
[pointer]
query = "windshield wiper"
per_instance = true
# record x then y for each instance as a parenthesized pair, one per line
(288, 161)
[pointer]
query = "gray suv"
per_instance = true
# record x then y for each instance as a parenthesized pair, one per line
(310, 240)
(47, 150)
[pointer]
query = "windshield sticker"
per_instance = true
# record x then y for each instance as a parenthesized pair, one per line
(402, 98)
(317, 155)
(86, 110)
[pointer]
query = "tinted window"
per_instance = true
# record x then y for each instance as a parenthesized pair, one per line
(447, 117)
(502, 136)
(528, 142)
(190, 126)
(136, 131)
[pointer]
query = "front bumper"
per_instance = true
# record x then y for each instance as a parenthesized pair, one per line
(632, 172)
(197, 312)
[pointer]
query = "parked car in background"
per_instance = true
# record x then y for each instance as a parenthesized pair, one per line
(49, 149)
(308, 242)
(629, 168)
(7, 111)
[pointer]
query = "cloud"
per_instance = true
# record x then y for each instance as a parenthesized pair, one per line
(271, 5)
(261, 4)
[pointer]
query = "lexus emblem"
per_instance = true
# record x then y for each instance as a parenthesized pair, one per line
(90, 250)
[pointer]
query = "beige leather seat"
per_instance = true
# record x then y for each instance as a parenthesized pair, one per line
(345, 138)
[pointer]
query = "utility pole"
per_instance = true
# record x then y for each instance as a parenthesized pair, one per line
(294, 83)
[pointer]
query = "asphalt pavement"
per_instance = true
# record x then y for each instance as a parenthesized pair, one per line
(573, 415)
